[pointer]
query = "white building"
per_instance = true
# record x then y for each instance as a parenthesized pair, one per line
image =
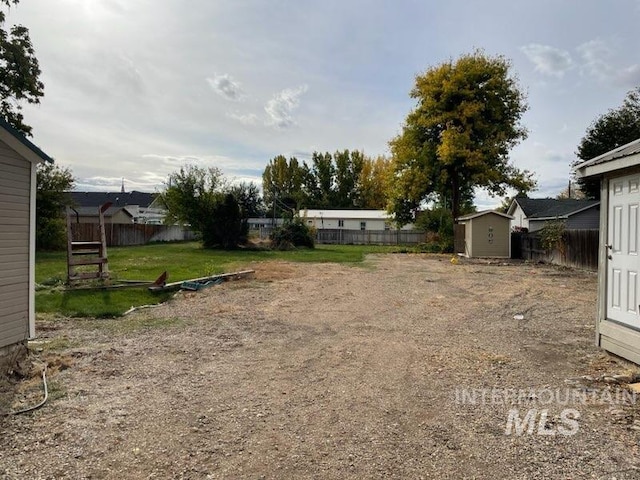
(618, 310)
(323, 219)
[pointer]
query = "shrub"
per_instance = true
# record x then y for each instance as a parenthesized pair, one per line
(552, 236)
(294, 233)
(51, 234)
(438, 223)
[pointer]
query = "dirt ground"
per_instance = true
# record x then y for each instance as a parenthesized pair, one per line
(334, 371)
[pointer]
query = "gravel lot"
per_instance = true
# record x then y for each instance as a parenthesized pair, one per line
(332, 371)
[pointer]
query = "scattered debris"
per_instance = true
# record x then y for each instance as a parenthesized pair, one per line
(623, 378)
(141, 307)
(115, 286)
(39, 404)
(195, 286)
(203, 280)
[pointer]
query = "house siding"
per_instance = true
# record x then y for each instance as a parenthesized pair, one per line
(519, 218)
(348, 224)
(535, 225)
(15, 188)
(119, 217)
(586, 220)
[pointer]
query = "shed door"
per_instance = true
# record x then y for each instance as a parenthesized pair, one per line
(622, 246)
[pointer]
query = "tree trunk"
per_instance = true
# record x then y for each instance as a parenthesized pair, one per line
(455, 197)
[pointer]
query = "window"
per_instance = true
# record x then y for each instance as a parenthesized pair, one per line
(363, 225)
(340, 223)
(310, 222)
(387, 226)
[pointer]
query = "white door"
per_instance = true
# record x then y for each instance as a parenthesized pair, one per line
(622, 250)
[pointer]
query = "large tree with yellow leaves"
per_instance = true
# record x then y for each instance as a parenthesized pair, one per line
(459, 135)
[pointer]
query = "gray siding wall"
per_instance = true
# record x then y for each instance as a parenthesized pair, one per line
(586, 220)
(15, 185)
(535, 225)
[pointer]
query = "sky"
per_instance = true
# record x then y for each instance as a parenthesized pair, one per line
(135, 89)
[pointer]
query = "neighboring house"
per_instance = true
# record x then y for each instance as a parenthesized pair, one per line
(349, 219)
(111, 215)
(486, 234)
(18, 160)
(533, 213)
(127, 207)
(618, 310)
(263, 222)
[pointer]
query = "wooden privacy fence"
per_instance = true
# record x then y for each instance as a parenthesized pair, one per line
(459, 238)
(370, 237)
(579, 249)
(121, 235)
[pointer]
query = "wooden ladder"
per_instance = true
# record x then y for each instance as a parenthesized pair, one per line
(87, 252)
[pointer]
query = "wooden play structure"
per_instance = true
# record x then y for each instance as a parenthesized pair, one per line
(83, 253)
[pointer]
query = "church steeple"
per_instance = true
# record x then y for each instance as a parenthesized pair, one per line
(122, 188)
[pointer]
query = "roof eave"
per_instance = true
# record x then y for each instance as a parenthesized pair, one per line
(512, 207)
(585, 170)
(21, 144)
(484, 212)
(546, 219)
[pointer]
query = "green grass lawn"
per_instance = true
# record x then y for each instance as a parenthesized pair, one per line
(182, 261)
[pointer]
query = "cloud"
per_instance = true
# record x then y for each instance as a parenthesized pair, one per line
(280, 108)
(226, 87)
(114, 184)
(247, 119)
(548, 60)
(99, 181)
(229, 165)
(600, 63)
(596, 57)
(630, 76)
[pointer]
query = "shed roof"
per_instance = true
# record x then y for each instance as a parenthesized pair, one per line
(484, 212)
(24, 141)
(120, 199)
(346, 214)
(615, 159)
(551, 207)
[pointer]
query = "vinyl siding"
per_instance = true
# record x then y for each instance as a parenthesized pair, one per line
(352, 223)
(119, 217)
(348, 224)
(586, 220)
(519, 218)
(15, 185)
(535, 225)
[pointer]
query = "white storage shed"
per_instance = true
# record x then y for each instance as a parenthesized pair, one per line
(618, 312)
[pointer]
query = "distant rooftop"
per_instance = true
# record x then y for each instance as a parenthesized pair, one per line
(119, 199)
(552, 207)
(93, 211)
